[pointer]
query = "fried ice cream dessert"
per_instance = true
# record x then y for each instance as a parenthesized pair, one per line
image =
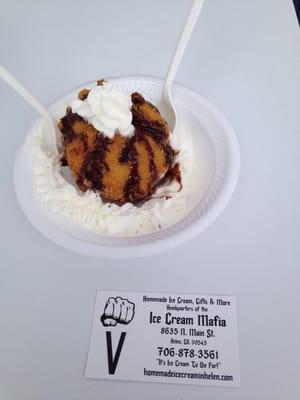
(116, 147)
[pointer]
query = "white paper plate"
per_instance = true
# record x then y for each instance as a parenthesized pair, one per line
(218, 150)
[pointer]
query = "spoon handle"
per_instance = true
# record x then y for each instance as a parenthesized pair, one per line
(182, 42)
(13, 83)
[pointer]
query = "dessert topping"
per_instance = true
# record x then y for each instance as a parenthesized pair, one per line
(107, 109)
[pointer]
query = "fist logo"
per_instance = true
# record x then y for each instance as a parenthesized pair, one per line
(117, 311)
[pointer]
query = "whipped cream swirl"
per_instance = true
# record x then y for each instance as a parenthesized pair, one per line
(107, 109)
(60, 196)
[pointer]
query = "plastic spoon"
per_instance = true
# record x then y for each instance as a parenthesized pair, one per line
(8, 78)
(166, 104)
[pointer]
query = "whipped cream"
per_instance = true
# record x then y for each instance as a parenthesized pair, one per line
(107, 108)
(59, 196)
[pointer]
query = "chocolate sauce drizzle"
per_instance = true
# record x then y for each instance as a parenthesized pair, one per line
(152, 166)
(129, 153)
(91, 172)
(66, 125)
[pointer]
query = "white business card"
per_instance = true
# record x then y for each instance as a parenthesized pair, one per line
(166, 338)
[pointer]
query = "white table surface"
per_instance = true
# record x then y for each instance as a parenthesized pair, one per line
(245, 58)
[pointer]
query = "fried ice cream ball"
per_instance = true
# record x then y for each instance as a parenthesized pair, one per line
(121, 169)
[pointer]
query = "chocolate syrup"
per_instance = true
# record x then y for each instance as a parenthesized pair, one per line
(152, 166)
(91, 171)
